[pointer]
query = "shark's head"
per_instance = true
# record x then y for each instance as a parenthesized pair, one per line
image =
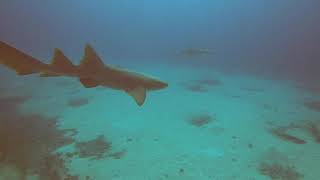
(139, 92)
(146, 81)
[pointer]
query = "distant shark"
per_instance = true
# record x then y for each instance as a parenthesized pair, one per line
(190, 52)
(92, 72)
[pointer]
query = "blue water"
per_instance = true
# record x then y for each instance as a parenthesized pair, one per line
(247, 110)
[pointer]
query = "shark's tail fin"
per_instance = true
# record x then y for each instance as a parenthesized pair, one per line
(59, 62)
(22, 63)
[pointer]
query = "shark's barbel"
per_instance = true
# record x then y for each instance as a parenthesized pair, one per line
(92, 72)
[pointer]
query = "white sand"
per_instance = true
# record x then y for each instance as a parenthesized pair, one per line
(164, 145)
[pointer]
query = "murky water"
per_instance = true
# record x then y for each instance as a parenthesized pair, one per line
(242, 101)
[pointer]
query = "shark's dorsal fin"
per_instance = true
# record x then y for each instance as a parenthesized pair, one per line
(89, 83)
(139, 94)
(90, 59)
(60, 60)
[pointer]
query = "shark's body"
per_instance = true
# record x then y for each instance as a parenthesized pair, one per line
(92, 72)
(190, 52)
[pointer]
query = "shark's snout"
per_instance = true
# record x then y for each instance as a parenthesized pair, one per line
(161, 85)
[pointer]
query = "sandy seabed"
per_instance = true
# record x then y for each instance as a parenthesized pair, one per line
(207, 125)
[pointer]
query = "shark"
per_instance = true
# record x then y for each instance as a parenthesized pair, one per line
(91, 71)
(190, 52)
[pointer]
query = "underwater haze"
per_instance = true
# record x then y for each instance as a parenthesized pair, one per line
(228, 90)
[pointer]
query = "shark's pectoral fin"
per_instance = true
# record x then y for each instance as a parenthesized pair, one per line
(139, 94)
(89, 83)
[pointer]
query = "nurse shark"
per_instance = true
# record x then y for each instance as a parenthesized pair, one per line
(91, 71)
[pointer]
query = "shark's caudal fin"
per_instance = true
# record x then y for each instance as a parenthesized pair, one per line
(60, 62)
(22, 63)
(139, 94)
